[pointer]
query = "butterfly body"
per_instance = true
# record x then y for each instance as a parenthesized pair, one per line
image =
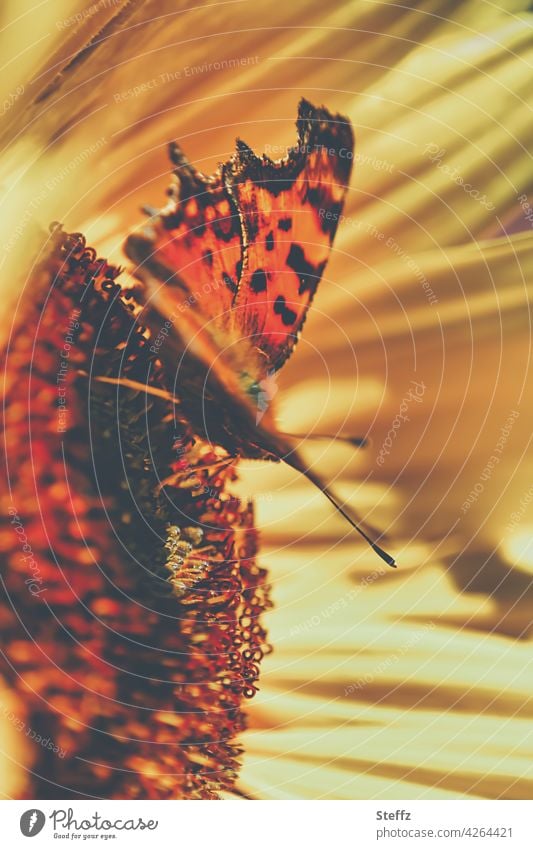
(230, 267)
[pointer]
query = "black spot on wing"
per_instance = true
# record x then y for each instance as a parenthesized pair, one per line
(330, 215)
(208, 257)
(328, 210)
(308, 274)
(314, 196)
(269, 241)
(230, 283)
(287, 315)
(258, 283)
(285, 224)
(227, 228)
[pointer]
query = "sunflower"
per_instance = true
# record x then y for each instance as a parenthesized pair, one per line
(406, 684)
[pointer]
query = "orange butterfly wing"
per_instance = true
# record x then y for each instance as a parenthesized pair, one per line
(198, 236)
(290, 211)
(248, 246)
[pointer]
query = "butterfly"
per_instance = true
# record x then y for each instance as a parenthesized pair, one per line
(229, 268)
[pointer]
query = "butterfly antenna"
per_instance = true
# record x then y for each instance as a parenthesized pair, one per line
(295, 462)
(354, 441)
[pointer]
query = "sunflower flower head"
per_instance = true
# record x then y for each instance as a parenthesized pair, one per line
(133, 598)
